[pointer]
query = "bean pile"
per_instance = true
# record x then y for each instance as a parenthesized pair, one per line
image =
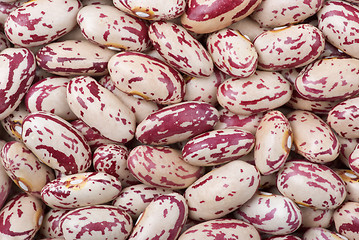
(179, 119)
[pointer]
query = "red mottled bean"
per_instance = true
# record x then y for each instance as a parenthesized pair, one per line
(112, 159)
(236, 182)
(51, 226)
(221, 229)
(73, 58)
(87, 98)
(163, 218)
(329, 79)
(338, 20)
(322, 233)
(203, 16)
(110, 27)
(274, 13)
(274, 140)
(180, 49)
(347, 145)
(32, 24)
(289, 47)
(272, 214)
(217, 147)
(161, 167)
(21, 165)
(353, 160)
(21, 217)
(351, 182)
(346, 220)
(17, 73)
(56, 143)
(271, 88)
(343, 118)
(232, 53)
(81, 189)
(147, 77)
(96, 222)
(134, 199)
(313, 217)
(49, 94)
(152, 9)
(13, 123)
(177, 122)
(5, 181)
(297, 180)
(285, 237)
(323, 148)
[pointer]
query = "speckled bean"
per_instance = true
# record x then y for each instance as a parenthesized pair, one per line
(236, 182)
(322, 233)
(217, 147)
(152, 9)
(73, 58)
(13, 123)
(49, 95)
(110, 27)
(271, 88)
(134, 199)
(81, 189)
(163, 218)
(17, 73)
(56, 143)
(147, 77)
(312, 217)
(21, 165)
(329, 79)
(323, 148)
(32, 24)
(51, 226)
(177, 122)
(232, 53)
(96, 222)
(151, 166)
(353, 160)
(289, 47)
(221, 229)
(202, 16)
(346, 220)
(272, 214)
(180, 49)
(112, 159)
(5, 181)
(21, 217)
(347, 145)
(298, 180)
(87, 98)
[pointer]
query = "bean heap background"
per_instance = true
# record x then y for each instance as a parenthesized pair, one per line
(179, 119)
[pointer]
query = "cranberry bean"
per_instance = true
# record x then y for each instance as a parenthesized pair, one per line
(34, 24)
(17, 73)
(163, 218)
(289, 47)
(347, 145)
(151, 166)
(152, 9)
(180, 49)
(202, 16)
(236, 182)
(51, 226)
(322, 233)
(56, 143)
(346, 220)
(145, 76)
(271, 88)
(221, 229)
(5, 181)
(351, 181)
(248, 28)
(177, 122)
(13, 123)
(232, 53)
(87, 98)
(79, 190)
(313, 217)
(116, 29)
(297, 180)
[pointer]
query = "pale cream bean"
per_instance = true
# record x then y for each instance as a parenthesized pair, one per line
(34, 24)
(248, 28)
(110, 27)
(165, 215)
(152, 9)
(90, 102)
(21, 165)
(236, 182)
(322, 148)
